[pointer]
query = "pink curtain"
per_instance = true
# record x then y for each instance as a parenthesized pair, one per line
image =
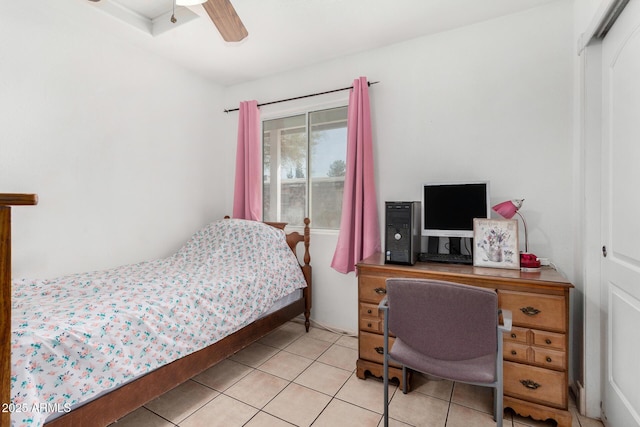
(247, 196)
(359, 235)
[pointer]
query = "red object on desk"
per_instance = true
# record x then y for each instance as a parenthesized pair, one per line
(528, 260)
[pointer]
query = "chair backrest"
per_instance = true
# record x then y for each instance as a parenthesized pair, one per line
(444, 320)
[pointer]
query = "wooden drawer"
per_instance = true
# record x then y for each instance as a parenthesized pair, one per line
(516, 334)
(371, 325)
(372, 289)
(515, 351)
(549, 358)
(371, 347)
(371, 319)
(370, 310)
(549, 339)
(535, 384)
(535, 310)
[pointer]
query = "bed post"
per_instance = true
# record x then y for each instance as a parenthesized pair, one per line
(6, 201)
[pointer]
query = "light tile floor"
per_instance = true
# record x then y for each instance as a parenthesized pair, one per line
(308, 379)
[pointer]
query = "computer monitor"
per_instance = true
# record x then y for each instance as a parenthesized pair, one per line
(448, 209)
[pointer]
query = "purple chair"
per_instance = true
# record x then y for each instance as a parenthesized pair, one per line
(447, 330)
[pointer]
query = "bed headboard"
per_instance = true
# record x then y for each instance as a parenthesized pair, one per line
(6, 201)
(293, 239)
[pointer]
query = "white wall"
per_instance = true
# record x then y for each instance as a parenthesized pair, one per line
(118, 144)
(488, 101)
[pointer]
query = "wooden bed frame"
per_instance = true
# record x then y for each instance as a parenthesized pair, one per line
(127, 398)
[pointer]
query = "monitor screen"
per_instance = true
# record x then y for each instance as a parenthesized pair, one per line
(448, 209)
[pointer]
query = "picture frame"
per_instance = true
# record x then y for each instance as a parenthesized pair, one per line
(495, 243)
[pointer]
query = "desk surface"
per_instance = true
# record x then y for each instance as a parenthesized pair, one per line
(546, 276)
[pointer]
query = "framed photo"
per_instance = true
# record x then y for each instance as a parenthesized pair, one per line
(495, 243)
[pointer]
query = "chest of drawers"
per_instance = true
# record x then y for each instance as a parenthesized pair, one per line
(535, 351)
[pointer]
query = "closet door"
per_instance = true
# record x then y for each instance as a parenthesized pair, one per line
(621, 219)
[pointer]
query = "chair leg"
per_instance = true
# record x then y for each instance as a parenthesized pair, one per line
(495, 403)
(385, 364)
(404, 380)
(499, 404)
(385, 382)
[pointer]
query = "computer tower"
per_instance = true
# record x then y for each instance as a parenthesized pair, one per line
(402, 232)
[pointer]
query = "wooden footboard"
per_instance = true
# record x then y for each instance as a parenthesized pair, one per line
(6, 201)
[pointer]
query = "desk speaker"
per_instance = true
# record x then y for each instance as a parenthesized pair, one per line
(402, 236)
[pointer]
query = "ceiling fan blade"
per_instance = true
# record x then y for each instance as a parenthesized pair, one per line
(226, 19)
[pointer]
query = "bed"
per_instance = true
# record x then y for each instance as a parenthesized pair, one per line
(98, 365)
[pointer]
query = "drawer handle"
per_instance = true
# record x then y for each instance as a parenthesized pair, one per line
(548, 359)
(513, 352)
(530, 311)
(514, 336)
(380, 291)
(369, 311)
(368, 325)
(380, 350)
(548, 341)
(530, 384)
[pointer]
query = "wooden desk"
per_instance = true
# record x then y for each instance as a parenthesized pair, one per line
(535, 351)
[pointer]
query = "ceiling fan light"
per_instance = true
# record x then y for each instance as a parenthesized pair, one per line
(189, 2)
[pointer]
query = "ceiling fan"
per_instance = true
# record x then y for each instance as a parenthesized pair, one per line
(224, 17)
(222, 14)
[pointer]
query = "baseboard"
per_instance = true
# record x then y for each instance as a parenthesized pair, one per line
(578, 393)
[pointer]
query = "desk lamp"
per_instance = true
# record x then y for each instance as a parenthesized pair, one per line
(507, 210)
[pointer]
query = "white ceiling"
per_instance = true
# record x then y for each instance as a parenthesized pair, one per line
(284, 34)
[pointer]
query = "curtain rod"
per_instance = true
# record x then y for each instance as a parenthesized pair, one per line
(300, 97)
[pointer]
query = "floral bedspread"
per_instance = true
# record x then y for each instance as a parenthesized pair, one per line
(79, 335)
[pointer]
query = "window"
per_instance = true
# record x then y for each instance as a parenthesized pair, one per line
(304, 158)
